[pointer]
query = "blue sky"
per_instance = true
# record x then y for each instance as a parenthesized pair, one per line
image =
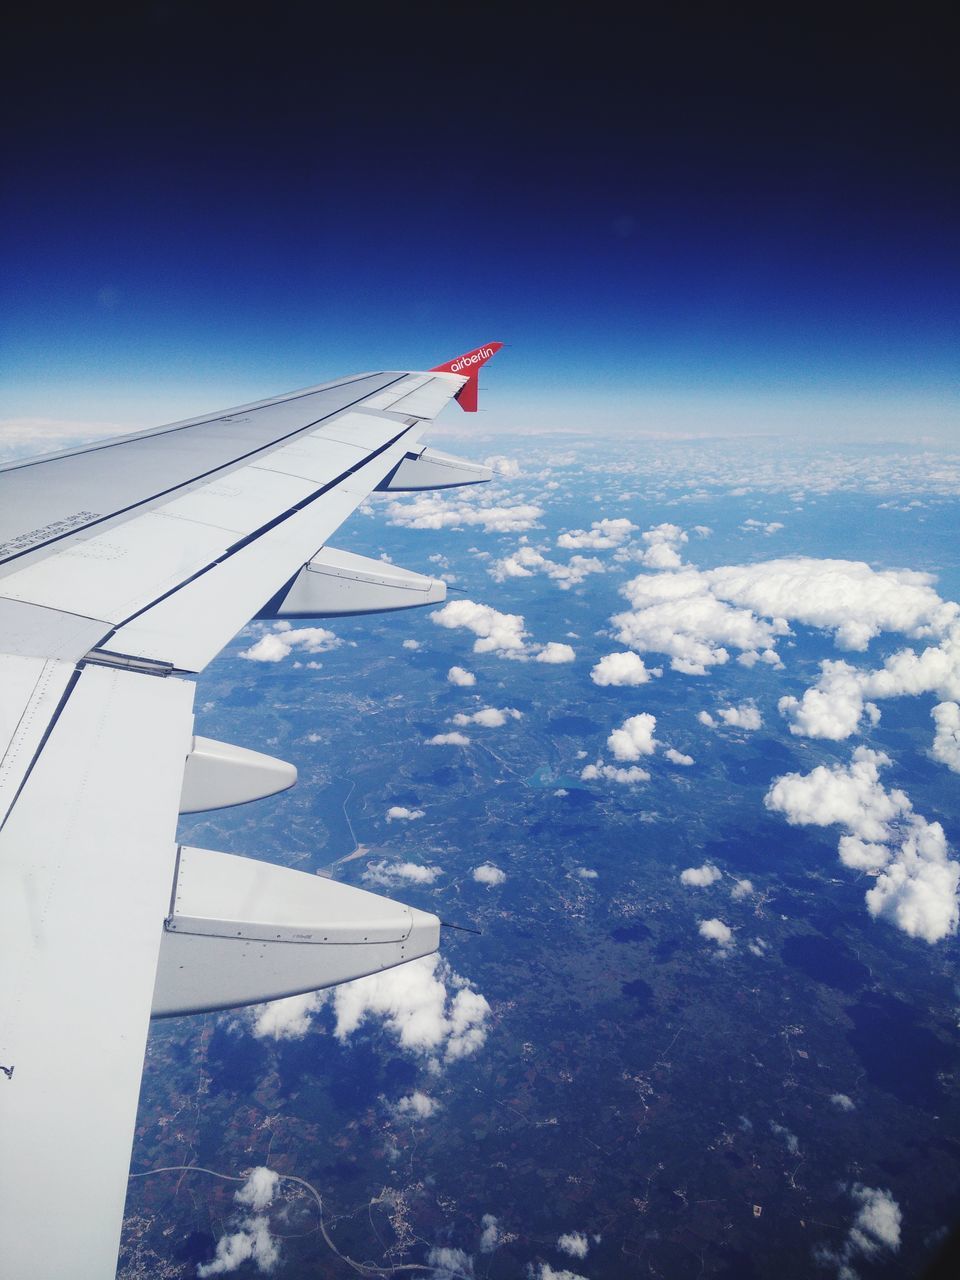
(731, 225)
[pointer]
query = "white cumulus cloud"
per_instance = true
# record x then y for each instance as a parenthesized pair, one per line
(431, 1011)
(601, 536)
(507, 468)
(634, 738)
(574, 1243)
(458, 676)
(279, 643)
(875, 1230)
(450, 1264)
(448, 740)
(716, 931)
(556, 653)
(621, 669)
(287, 1019)
(701, 877)
(696, 617)
(916, 880)
(437, 511)
(546, 1272)
(628, 776)
(252, 1240)
(499, 633)
(527, 561)
(490, 1233)
(400, 813)
(415, 1106)
(746, 716)
(487, 717)
(390, 873)
(489, 875)
(678, 757)
(946, 742)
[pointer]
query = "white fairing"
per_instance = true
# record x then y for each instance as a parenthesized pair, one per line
(339, 583)
(241, 931)
(431, 469)
(218, 774)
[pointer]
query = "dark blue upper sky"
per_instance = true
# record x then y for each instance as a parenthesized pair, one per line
(694, 221)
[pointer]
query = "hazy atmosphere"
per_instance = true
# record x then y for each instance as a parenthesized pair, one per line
(678, 754)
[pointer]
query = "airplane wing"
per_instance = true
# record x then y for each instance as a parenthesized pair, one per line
(125, 567)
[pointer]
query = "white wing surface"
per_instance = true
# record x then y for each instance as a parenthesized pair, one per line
(124, 568)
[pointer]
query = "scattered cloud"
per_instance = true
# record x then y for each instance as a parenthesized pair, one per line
(916, 881)
(458, 676)
(546, 1272)
(716, 931)
(448, 740)
(489, 875)
(661, 548)
(628, 777)
(585, 873)
(438, 511)
(252, 1240)
(488, 717)
(390, 873)
(621, 669)
(601, 536)
(415, 1106)
(279, 643)
(527, 561)
(696, 617)
(741, 889)
(429, 1009)
(701, 877)
(835, 705)
(946, 743)
(506, 468)
(746, 716)
(499, 633)
(259, 1189)
(842, 1102)
(555, 653)
(490, 1234)
(574, 1243)
(760, 526)
(676, 614)
(678, 757)
(400, 813)
(634, 738)
(790, 1140)
(287, 1019)
(450, 1264)
(875, 1230)
(412, 645)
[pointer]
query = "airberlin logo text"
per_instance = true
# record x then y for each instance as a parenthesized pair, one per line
(483, 354)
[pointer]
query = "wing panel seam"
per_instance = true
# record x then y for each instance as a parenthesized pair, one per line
(225, 468)
(257, 533)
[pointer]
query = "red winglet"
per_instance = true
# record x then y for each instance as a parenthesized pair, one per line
(468, 366)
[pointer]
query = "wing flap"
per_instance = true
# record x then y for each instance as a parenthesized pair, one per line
(190, 625)
(87, 857)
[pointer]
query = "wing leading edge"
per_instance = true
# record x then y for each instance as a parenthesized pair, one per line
(124, 568)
